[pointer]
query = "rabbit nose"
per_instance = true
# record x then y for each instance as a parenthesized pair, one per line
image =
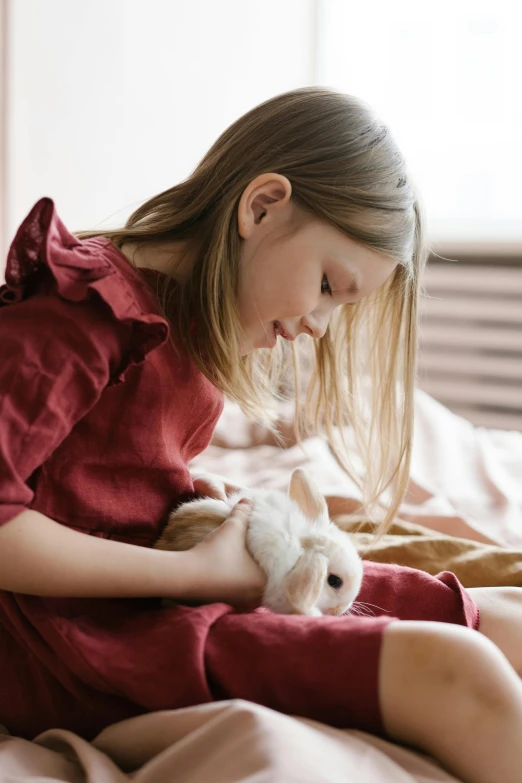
(335, 610)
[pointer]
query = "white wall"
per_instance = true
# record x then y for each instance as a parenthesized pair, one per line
(445, 77)
(112, 101)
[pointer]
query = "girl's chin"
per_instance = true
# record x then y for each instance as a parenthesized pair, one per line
(268, 339)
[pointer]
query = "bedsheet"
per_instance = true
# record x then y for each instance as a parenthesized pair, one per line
(464, 480)
(223, 742)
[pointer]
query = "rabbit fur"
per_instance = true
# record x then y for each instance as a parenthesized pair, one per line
(312, 566)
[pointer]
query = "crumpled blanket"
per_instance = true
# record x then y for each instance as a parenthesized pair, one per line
(406, 543)
(222, 742)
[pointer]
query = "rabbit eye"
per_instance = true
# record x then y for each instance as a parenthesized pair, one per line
(335, 581)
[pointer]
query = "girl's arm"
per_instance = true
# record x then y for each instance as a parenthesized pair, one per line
(39, 556)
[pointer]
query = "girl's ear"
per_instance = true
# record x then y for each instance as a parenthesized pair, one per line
(304, 492)
(303, 583)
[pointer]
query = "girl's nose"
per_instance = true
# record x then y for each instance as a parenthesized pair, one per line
(314, 325)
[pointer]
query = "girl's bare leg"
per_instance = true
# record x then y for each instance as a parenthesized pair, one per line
(501, 620)
(452, 693)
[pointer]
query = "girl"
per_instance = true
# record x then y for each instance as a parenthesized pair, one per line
(117, 348)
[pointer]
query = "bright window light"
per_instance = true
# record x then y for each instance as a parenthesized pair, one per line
(446, 78)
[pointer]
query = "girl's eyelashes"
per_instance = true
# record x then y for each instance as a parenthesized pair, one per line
(324, 283)
(325, 289)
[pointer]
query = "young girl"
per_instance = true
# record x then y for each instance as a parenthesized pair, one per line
(117, 348)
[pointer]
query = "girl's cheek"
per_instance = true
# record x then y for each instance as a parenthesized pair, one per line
(302, 304)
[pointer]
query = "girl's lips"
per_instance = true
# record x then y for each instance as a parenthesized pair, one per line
(278, 329)
(284, 333)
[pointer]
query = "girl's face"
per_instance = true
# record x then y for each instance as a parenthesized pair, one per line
(295, 269)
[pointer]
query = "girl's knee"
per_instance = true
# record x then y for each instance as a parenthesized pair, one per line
(501, 619)
(429, 671)
(496, 596)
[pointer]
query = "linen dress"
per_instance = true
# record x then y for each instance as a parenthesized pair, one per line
(99, 417)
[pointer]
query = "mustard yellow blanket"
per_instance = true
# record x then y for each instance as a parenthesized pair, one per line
(475, 564)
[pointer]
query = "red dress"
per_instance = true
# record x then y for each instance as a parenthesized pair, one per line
(98, 420)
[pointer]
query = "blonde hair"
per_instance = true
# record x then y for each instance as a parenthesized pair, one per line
(345, 168)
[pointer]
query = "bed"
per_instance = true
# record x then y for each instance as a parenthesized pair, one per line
(463, 513)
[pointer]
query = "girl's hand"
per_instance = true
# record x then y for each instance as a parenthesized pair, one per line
(212, 485)
(228, 572)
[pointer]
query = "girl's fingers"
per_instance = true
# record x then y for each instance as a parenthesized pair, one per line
(216, 482)
(231, 488)
(245, 504)
(208, 488)
(241, 510)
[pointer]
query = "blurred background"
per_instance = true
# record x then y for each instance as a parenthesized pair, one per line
(108, 102)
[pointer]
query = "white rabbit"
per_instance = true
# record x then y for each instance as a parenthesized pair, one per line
(312, 566)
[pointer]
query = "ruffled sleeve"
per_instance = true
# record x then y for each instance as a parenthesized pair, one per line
(71, 324)
(81, 271)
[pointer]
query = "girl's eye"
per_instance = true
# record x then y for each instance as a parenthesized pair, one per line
(327, 289)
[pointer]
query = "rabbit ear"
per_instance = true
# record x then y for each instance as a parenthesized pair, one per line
(303, 583)
(304, 492)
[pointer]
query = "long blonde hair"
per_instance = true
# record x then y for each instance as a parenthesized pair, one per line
(345, 168)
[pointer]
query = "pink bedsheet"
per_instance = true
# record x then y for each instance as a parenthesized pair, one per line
(465, 481)
(224, 742)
